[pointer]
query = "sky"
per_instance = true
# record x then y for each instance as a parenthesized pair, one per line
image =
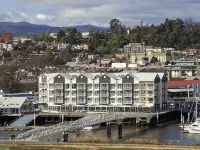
(97, 12)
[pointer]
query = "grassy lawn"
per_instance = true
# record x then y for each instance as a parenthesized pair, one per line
(4, 148)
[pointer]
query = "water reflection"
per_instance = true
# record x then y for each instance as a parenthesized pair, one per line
(166, 133)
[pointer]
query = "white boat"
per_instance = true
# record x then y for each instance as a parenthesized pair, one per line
(91, 128)
(195, 127)
(186, 127)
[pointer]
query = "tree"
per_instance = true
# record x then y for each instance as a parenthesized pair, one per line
(60, 34)
(114, 26)
(58, 61)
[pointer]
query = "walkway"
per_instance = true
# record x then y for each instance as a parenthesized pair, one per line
(89, 120)
(24, 120)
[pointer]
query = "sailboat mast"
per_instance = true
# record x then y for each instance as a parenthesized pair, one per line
(196, 100)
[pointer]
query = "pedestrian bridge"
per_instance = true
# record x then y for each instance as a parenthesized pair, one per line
(86, 121)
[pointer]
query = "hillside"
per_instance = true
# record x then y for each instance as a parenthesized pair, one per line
(27, 29)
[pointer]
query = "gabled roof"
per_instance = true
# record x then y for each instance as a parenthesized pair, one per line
(145, 76)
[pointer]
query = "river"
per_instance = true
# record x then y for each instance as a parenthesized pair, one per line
(166, 133)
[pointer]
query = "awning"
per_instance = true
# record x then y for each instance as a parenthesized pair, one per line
(179, 90)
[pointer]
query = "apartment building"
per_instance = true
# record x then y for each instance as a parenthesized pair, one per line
(102, 91)
(182, 67)
(134, 47)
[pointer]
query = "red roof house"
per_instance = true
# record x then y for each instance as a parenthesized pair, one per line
(6, 37)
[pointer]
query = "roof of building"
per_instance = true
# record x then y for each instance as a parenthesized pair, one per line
(182, 82)
(20, 94)
(140, 76)
(12, 102)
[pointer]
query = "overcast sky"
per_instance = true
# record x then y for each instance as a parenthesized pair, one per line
(97, 12)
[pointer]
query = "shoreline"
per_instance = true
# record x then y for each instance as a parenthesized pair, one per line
(67, 146)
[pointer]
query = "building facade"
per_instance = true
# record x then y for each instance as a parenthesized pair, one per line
(101, 92)
(182, 67)
(12, 105)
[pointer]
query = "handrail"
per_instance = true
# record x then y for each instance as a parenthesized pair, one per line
(81, 123)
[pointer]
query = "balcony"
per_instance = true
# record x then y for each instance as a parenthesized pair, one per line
(112, 95)
(82, 95)
(112, 89)
(150, 88)
(127, 95)
(51, 95)
(150, 95)
(67, 96)
(58, 94)
(43, 93)
(51, 88)
(81, 88)
(127, 88)
(89, 89)
(127, 102)
(58, 100)
(58, 87)
(89, 95)
(104, 95)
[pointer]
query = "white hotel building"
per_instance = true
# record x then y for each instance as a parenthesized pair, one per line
(102, 91)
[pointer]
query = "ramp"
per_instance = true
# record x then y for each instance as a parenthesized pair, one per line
(22, 121)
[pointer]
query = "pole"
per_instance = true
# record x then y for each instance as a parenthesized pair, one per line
(196, 108)
(183, 123)
(62, 118)
(60, 114)
(34, 119)
(181, 116)
(157, 116)
(196, 99)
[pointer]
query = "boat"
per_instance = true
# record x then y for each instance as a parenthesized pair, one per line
(94, 127)
(194, 127)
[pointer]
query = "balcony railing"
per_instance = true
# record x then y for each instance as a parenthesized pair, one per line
(104, 95)
(58, 94)
(58, 87)
(127, 95)
(82, 95)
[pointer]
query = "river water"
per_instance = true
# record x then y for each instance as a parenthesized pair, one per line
(166, 133)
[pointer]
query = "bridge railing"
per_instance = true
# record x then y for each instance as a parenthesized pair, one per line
(87, 121)
(37, 130)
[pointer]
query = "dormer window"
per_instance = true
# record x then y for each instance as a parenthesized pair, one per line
(104, 77)
(81, 76)
(58, 76)
(127, 76)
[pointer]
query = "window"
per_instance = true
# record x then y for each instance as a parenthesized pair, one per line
(119, 100)
(73, 86)
(96, 100)
(73, 100)
(112, 100)
(119, 86)
(67, 86)
(96, 86)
